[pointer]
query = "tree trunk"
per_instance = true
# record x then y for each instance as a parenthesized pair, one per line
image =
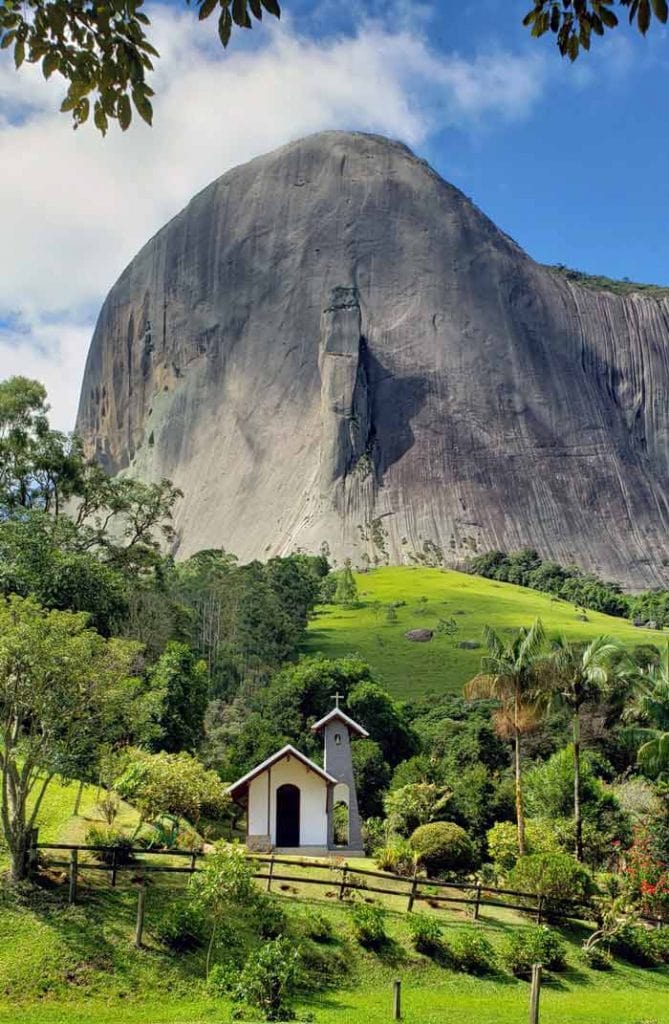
(77, 801)
(578, 820)
(520, 816)
(18, 850)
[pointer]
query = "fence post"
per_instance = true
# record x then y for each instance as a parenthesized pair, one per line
(114, 865)
(397, 999)
(193, 858)
(270, 873)
(344, 872)
(72, 895)
(540, 907)
(535, 992)
(477, 904)
(141, 906)
(414, 888)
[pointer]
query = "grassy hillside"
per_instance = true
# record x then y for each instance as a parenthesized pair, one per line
(78, 965)
(432, 596)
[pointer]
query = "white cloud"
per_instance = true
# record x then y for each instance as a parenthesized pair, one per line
(77, 207)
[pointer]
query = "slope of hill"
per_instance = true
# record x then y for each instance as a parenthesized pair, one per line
(78, 965)
(457, 607)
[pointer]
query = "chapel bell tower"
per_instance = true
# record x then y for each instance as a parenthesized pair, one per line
(338, 729)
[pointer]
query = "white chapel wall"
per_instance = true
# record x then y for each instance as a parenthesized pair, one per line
(313, 801)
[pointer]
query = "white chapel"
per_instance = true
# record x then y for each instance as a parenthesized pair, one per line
(290, 800)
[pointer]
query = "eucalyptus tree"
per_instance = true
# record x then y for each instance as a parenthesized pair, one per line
(578, 673)
(513, 672)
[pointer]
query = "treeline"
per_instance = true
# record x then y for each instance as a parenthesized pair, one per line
(585, 590)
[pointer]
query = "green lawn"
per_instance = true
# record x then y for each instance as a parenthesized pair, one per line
(77, 966)
(410, 669)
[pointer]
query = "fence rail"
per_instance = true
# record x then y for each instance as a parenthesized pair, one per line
(343, 876)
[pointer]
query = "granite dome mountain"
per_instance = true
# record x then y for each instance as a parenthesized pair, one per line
(332, 346)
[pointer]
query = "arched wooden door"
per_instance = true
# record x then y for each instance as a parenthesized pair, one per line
(288, 815)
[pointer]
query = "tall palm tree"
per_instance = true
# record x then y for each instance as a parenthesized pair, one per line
(651, 706)
(511, 673)
(576, 673)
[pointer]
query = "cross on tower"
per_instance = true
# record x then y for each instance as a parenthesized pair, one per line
(336, 698)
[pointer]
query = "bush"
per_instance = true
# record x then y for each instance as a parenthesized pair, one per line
(396, 856)
(539, 945)
(558, 877)
(660, 939)
(268, 979)
(425, 934)
(369, 925)
(116, 842)
(222, 979)
(597, 958)
(321, 968)
(443, 846)
(470, 951)
(636, 945)
(180, 926)
(503, 842)
(317, 927)
(269, 917)
(374, 835)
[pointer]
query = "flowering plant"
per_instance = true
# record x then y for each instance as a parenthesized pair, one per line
(647, 871)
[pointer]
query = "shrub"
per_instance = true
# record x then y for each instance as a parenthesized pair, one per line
(533, 946)
(425, 934)
(321, 968)
(397, 856)
(116, 842)
(558, 877)
(268, 979)
(636, 945)
(180, 926)
(660, 939)
(503, 842)
(470, 951)
(374, 835)
(269, 917)
(222, 979)
(443, 846)
(318, 927)
(597, 958)
(369, 925)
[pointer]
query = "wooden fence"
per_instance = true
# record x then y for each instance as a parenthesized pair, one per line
(340, 877)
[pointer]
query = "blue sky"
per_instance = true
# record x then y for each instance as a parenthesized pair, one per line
(571, 161)
(583, 178)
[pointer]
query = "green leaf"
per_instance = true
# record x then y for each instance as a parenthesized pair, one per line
(143, 105)
(124, 112)
(100, 119)
(256, 9)
(207, 7)
(7, 40)
(272, 7)
(225, 26)
(608, 17)
(82, 110)
(50, 64)
(643, 16)
(661, 10)
(19, 53)
(240, 15)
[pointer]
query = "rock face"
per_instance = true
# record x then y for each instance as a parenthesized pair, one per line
(332, 347)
